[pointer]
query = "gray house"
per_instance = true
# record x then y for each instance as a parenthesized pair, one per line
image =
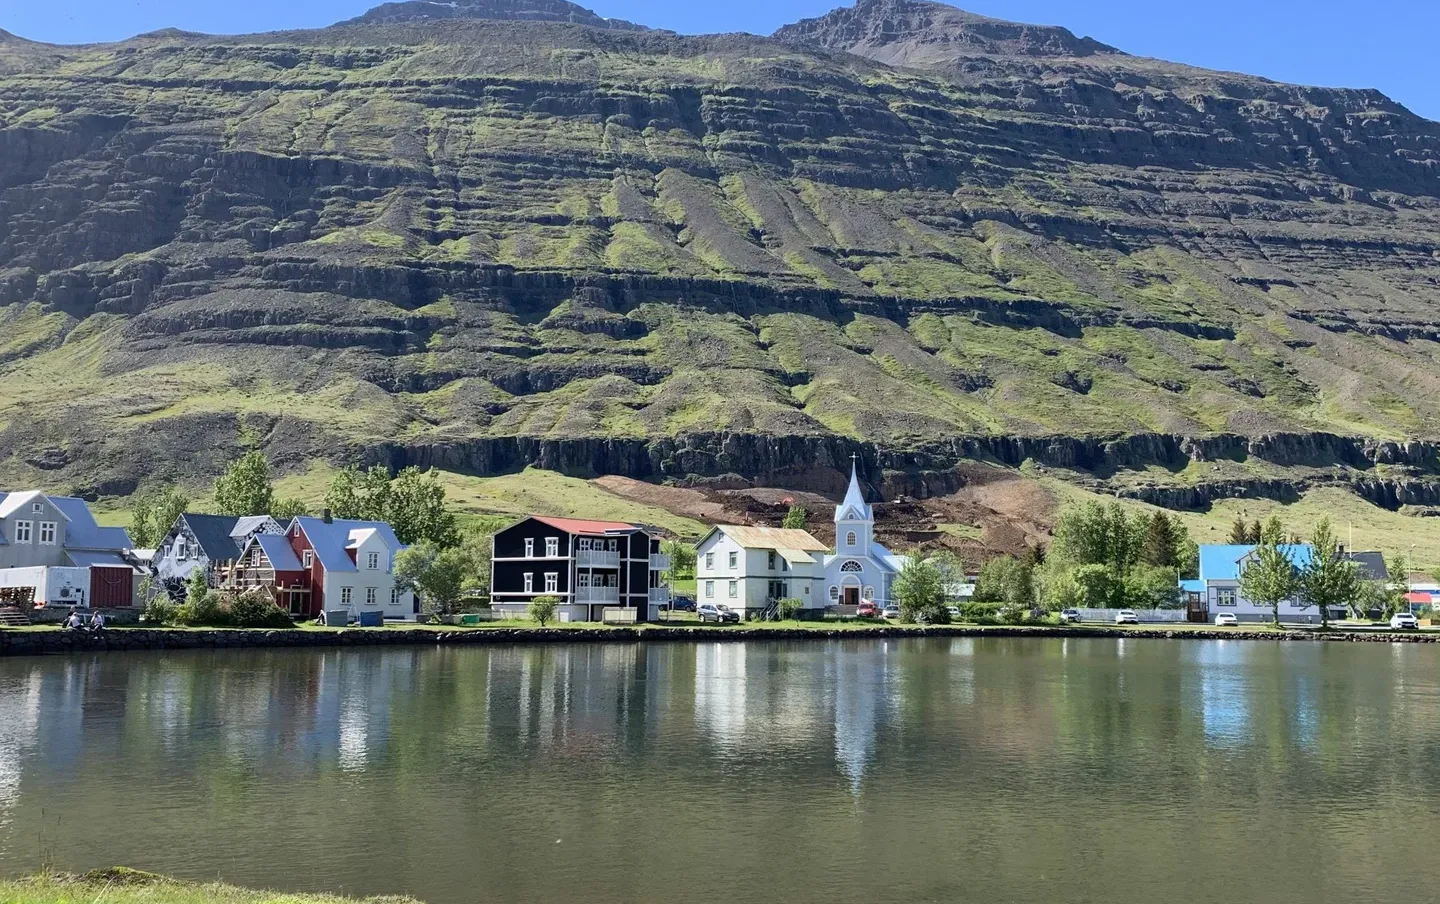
(52, 551)
(211, 543)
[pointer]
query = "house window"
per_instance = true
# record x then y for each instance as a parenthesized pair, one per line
(307, 558)
(394, 596)
(552, 582)
(529, 547)
(346, 595)
(834, 593)
(373, 561)
(583, 579)
(38, 508)
(734, 559)
(772, 560)
(584, 544)
(529, 582)
(23, 531)
(734, 589)
(179, 547)
(47, 533)
(1225, 598)
(614, 545)
(254, 558)
(369, 596)
(709, 590)
(552, 547)
(850, 540)
(709, 561)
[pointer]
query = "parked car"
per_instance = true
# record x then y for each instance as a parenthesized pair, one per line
(1226, 620)
(1127, 617)
(720, 615)
(1070, 616)
(890, 612)
(1403, 621)
(954, 612)
(682, 603)
(868, 610)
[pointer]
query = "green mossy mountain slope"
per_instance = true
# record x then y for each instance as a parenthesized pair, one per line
(407, 234)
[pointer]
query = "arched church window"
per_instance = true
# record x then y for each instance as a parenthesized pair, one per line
(870, 593)
(850, 540)
(834, 592)
(851, 567)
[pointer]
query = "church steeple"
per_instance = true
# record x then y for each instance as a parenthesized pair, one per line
(854, 507)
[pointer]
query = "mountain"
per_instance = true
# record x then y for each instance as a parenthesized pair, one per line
(408, 11)
(519, 236)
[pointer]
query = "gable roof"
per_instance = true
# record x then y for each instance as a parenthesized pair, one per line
(1221, 562)
(246, 525)
(776, 538)
(582, 526)
(81, 531)
(278, 550)
(330, 539)
(1371, 564)
(14, 502)
(213, 533)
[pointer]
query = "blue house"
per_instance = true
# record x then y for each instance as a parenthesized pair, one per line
(1218, 587)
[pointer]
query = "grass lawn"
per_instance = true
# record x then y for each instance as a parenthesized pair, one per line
(127, 887)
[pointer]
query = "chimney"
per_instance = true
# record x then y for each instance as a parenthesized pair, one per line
(326, 517)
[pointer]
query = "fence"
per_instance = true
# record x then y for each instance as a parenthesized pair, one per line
(1147, 616)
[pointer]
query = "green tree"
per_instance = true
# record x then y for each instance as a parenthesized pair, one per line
(1239, 532)
(682, 559)
(1189, 565)
(1269, 577)
(542, 608)
(1329, 579)
(920, 591)
(1096, 587)
(478, 547)
(286, 510)
(438, 575)
(1153, 587)
(789, 609)
(154, 514)
(1007, 581)
(1098, 534)
(412, 502)
(244, 488)
(1164, 541)
(1273, 531)
(795, 518)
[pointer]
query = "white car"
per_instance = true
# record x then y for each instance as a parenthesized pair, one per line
(1403, 621)
(1127, 617)
(1070, 616)
(890, 612)
(1226, 620)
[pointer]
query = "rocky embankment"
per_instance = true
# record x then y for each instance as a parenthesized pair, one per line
(35, 643)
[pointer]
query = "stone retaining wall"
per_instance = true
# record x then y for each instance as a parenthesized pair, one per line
(22, 643)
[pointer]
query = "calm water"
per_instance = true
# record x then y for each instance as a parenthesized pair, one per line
(964, 770)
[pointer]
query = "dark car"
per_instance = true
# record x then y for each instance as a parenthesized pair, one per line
(682, 603)
(718, 614)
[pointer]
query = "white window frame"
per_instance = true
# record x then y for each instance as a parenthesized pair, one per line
(851, 540)
(709, 590)
(733, 559)
(24, 532)
(529, 582)
(552, 582)
(49, 530)
(307, 559)
(552, 547)
(394, 596)
(38, 508)
(583, 544)
(583, 579)
(347, 595)
(372, 561)
(1227, 598)
(772, 560)
(529, 547)
(834, 593)
(734, 591)
(709, 561)
(371, 594)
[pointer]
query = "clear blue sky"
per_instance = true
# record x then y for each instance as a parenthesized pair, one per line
(1385, 44)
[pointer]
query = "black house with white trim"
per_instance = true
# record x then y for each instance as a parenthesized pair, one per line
(590, 566)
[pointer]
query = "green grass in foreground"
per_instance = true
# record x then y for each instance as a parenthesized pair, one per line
(122, 886)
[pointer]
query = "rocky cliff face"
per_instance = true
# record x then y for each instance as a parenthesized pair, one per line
(485, 235)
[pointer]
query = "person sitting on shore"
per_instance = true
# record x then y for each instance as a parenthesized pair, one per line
(72, 621)
(97, 622)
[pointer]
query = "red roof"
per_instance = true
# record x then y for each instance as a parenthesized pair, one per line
(1417, 597)
(581, 526)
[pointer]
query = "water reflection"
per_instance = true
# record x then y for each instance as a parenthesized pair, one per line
(622, 750)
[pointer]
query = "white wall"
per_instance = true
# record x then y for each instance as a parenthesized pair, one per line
(752, 575)
(381, 579)
(50, 584)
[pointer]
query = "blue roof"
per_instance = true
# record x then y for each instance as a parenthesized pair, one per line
(278, 551)
(82, 532)
(330, 539)
(1222, 562)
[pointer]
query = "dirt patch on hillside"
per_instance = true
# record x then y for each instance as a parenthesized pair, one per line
(996, 512)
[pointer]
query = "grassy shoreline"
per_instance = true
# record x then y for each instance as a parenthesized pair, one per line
(125, 886)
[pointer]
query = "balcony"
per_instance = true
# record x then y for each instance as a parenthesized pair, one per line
(597, 558)
(659, 562)
(597, 594)
(660, 596)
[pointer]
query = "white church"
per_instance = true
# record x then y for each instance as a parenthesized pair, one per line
(860, 568)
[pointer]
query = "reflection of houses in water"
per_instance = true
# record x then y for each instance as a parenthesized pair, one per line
(574, 700)
(720, 696)
(19, 734)
(862, 682)
(1223, 707)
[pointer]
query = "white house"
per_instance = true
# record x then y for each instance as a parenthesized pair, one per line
(1219, 585)
(860, 569)
(749, 568)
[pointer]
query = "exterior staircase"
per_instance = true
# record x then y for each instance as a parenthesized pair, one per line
(12, 617)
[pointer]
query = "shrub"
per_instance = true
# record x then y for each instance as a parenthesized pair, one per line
(980, 613)
(159, 611)
(256, 610)
(790, 609)
(542, 608)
